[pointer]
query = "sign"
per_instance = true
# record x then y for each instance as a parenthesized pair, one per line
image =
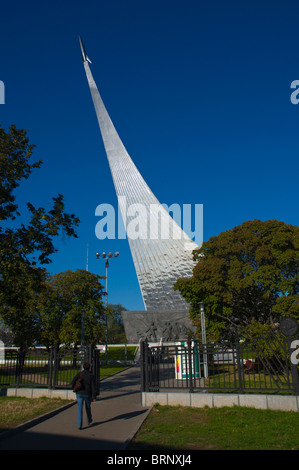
(182, 362)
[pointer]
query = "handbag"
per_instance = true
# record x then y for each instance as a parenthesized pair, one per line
(78, 384)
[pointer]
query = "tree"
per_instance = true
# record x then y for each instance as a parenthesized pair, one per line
(245, 275)
(18, 310)
(70, 300)
(116, 330)
(24, 249)
(5, 335)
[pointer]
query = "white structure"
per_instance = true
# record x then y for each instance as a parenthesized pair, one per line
(163, 252)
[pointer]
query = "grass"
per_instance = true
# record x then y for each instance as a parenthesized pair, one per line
(18, 410)
(237, 428)
(110, 369)
(228, 378)
(117, 353)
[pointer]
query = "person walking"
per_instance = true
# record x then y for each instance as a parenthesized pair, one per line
(85, 394)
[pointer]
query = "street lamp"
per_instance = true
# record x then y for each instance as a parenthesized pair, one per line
(106, 257)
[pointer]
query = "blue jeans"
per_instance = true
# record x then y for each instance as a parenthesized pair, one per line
(81, 399)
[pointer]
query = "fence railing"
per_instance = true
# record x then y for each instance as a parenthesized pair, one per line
(242, 367)
(47, 368)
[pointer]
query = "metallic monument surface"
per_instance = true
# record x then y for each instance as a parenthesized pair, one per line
(162, 251)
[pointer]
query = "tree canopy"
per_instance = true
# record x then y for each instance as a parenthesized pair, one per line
(116, 330)
(69, 301)
(24, 248)
(32, 243)
(245, 275)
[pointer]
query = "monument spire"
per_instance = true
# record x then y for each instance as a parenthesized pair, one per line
(159, 260)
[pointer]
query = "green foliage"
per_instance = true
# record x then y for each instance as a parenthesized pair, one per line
(68, 298)
(15, 152)
(249, 273)
(24, 249)
(116, 330)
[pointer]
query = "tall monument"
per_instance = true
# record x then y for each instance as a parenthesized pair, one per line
(162, 251)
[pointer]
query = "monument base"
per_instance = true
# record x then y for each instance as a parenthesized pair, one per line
(157, 325)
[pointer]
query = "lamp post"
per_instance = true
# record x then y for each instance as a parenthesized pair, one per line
(106, 256)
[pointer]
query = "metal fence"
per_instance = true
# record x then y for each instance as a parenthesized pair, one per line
(260, 365)
(51, 368)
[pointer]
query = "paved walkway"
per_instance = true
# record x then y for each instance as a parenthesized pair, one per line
(117, 416)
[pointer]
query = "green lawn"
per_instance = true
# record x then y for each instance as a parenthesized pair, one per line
(110, 369)
(237, 428)
(118, 353)
(18, 410)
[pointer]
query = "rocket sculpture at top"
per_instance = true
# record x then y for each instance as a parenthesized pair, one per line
(162, 251)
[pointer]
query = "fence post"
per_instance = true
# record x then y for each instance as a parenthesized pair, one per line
(50, 367)
(20, 366)
(88, 352)
(98, 369)
(144, 365)
(56, 367)
(239, 366)
(18, 369)
(94, 360)
(189, 343)
(141, 346)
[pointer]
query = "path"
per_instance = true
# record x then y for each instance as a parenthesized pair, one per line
(117, 416)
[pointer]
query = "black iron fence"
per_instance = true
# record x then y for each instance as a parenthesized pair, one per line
(261, 365)
(48, 368)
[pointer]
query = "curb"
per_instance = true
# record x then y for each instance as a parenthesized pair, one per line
(34, 421)
(133, 434)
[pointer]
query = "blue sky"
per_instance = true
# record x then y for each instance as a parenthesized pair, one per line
(198, 91)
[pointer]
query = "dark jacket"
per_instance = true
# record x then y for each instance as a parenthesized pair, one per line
(88, 384)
